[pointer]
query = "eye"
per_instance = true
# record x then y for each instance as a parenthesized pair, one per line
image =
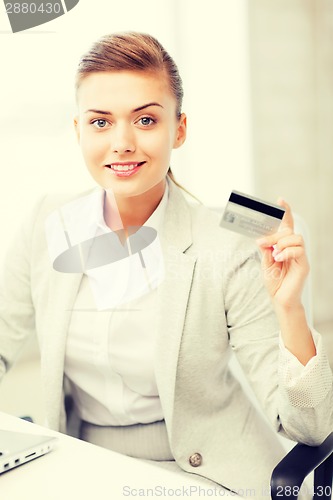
(146, 121)
(100, 123)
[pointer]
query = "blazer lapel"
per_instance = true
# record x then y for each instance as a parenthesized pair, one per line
(173, 295)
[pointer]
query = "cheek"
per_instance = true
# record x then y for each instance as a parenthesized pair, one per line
(91, 147)
(157, 145)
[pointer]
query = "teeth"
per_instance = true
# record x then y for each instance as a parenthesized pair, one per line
(123, 168)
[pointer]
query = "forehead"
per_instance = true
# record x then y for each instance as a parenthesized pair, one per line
(133, 88)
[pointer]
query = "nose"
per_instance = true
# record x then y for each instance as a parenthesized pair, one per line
(123, 140)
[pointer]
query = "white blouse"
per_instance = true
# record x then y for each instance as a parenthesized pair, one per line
(109, 359)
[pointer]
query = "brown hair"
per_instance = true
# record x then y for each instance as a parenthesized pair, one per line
(131, 51)
(134, 52)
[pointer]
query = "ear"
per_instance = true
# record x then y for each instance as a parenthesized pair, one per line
(77, 128)
(181, 131)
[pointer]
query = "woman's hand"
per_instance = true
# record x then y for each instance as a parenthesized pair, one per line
(285, 268)
(284, 262)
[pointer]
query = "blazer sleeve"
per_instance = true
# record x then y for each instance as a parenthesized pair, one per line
(17, 314)
(254, 337)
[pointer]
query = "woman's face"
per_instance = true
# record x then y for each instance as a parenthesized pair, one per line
(127, 127)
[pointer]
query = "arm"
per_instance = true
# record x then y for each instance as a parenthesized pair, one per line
(17, 315)
(300, 408)
(285, 269)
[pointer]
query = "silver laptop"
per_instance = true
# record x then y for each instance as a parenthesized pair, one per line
(17, 448)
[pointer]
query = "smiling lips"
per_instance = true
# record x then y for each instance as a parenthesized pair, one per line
(124, 167)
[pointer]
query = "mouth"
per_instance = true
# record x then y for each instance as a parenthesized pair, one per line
(125, 167)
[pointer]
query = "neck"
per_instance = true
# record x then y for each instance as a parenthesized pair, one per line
(121, 212)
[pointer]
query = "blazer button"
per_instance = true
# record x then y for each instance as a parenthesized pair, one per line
(195, 459)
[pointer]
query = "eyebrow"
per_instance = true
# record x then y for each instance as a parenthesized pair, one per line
(140, 108)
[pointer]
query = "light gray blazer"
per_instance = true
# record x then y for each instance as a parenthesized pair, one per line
(211, 301)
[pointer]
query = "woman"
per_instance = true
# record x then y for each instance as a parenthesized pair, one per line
(143, 342)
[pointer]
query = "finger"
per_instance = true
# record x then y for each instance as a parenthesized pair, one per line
(286, 227)
(290, 253)
(287, 220)
(293, 240)
(272, 239)
(267, 257)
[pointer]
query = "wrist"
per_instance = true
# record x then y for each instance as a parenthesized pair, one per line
(296, 334)
(289, 309)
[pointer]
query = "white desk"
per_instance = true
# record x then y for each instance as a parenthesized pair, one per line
(76, 470)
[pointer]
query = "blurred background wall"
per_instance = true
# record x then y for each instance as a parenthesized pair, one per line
(258, 94)
(291, 67)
